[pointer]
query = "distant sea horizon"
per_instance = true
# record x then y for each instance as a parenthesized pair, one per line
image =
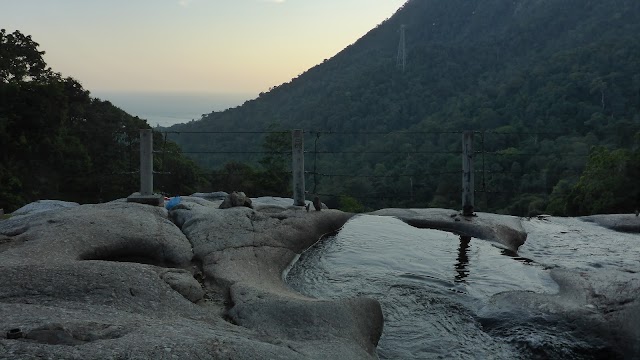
(169, 108)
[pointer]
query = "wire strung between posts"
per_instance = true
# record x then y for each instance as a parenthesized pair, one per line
(384, 176)
(330, 132)
(384, 152)
(224, 132)
(577, 172)
(497, 153)
(233, 152)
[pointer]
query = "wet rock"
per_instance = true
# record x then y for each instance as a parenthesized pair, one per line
(593, 313)
(618, 222)
(246, 257)
(506, 230)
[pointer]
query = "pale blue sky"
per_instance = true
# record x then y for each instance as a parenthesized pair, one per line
(222, 46)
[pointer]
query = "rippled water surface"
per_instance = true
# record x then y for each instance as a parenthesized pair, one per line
(434, 285)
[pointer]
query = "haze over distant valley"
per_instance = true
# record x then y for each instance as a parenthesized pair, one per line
(170, 108)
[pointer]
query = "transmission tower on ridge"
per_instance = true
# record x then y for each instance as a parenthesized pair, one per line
(402, 50)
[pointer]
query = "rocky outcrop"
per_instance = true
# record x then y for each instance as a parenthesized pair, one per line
(506, 230)
(236, 199)
(245, 259)
(618, 222)
(600, 308)
(121, 280)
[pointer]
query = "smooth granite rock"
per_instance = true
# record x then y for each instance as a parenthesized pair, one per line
(506, 230)
(618, 222)
(42, 206)
(122, 281)
(598, 307)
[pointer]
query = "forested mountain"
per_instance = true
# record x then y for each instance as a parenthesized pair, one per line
(544, 82)
(58, 142)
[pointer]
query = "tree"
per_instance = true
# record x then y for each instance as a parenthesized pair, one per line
(608, 184)
(58, 142)
(20, 59)
(275, 176)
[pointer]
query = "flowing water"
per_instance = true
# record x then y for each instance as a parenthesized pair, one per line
(438, 290)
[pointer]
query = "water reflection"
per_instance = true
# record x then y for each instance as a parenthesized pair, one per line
(463, 259)
(516, 256)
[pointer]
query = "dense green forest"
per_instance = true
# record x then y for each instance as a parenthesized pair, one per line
(552, 88)
(60, 143)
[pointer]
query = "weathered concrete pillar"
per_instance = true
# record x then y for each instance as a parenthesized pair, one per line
(146, 195)
(297, 149)
(468, 190)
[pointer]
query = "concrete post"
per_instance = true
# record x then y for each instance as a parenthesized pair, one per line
(297, 149)
(146, 195)
(146, 162)
(468, 190)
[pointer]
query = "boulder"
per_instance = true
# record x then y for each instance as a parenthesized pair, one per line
(503, 229)
(236, 199)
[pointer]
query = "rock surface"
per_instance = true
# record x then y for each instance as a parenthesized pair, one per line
(618, 222)
(120, 280)
(506, 230)
(236, 199)
(601, 307)
(42, 206)
(125, 280)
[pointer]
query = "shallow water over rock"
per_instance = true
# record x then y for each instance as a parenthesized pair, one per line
(444, 296)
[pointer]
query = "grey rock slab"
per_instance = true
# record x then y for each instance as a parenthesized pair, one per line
(274, 204)
(118, 280)
(105, 333)
(113, 231)
(83, 285)
(183, 282)
(262, 301)
(211, 229)
(245, 253)
(601, 306)
(42, 206)
(318, 325)
(261, 267)
(217, 195)
(506, 230)
(619, 222)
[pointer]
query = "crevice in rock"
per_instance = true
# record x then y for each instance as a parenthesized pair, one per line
(251, 217)
(226, 317)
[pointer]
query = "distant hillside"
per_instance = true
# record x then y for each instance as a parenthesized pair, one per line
(59, 142)
(566, 70)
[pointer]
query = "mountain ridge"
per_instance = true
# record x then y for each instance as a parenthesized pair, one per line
(564, 70)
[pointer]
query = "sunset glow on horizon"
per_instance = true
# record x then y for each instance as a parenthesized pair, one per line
(217, 46)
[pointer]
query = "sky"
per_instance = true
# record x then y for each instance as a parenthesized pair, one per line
(213, 46)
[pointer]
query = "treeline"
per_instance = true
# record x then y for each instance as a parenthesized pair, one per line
(558, 78)
(58, 142)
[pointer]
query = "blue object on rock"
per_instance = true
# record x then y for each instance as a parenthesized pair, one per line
(172, 202)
